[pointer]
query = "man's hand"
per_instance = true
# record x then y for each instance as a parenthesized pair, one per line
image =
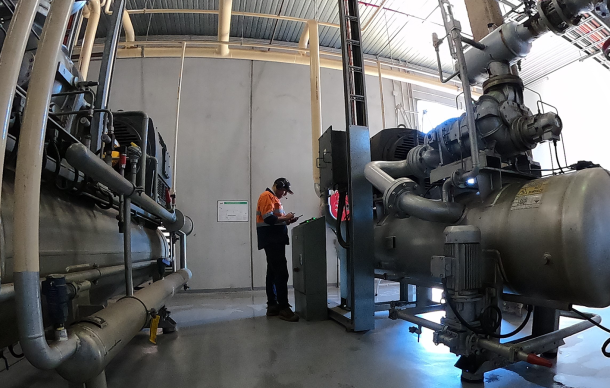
(286, 218)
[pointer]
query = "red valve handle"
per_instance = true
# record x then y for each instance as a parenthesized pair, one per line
(536, 360)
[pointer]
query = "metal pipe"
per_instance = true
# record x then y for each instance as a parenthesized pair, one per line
(27, 199)
(106, 70)
(127, 235)
(456, 36)
(99, 344)
(378, 173)
(84, 57)
(381, 95)
(430, 210)
(7, 292)
(183, 264)
(86, 161)
(531, 346)
(402, 314)
(316, 99)
(224, 25)
(98, 381)
(175, 167)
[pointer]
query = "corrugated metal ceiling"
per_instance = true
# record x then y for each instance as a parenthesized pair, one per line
(400, 31)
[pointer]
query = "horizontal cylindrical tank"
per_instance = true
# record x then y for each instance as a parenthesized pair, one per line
(550, 235)
(75, 235)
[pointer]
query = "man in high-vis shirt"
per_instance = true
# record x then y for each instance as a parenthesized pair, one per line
(272, 232)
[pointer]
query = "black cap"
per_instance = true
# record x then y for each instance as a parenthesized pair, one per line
(282, 183)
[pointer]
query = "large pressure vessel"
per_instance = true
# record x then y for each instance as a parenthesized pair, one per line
(550, 234)
(76, 235)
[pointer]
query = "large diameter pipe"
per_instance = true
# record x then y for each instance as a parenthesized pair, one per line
(91, 165)
(27, 198)
(99, 344)
(84, 58)
(224, 25)
(316, 99)
(412, 204)
(15, 42)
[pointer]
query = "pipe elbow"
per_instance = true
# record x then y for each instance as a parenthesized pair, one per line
(47, 357)
(430, 210)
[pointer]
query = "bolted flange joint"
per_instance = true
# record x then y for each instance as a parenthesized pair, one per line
(390, 198)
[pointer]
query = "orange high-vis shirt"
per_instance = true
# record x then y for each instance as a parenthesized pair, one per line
(268, 205)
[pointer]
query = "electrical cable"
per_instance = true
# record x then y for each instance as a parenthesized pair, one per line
(605, 350)
(557, 156)
(530, 308)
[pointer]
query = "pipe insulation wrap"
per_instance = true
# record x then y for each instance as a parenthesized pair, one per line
(116, 326)
(27, 197)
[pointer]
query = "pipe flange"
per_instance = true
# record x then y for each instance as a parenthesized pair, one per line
(398, 188)
(504, 79)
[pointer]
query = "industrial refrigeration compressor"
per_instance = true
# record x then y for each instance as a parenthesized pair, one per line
(84, 194)
(466, 208)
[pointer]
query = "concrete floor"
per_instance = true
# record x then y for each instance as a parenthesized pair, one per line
(225, 340)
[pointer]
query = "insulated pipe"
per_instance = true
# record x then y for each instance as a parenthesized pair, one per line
(91, 165)
(224, 25)
(405, 201)
(84, 57)
(27, 198)
(281, 57)
(15, 42)
(304, 40)
(99, 344)
(130, 35)
(182, 236)
(316, 100)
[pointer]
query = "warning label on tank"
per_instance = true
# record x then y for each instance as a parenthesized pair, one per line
(530, 195)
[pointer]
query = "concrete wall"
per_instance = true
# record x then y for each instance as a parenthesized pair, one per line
(579, 91)
(243, 124)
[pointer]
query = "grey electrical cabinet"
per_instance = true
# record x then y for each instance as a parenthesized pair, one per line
(309, 269)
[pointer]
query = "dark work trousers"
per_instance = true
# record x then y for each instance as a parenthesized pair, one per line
(277, 275)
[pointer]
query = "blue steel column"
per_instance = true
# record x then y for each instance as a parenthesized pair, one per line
(360, 226)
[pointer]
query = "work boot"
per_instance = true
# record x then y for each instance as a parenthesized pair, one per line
(286, 314)
(273, 310)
